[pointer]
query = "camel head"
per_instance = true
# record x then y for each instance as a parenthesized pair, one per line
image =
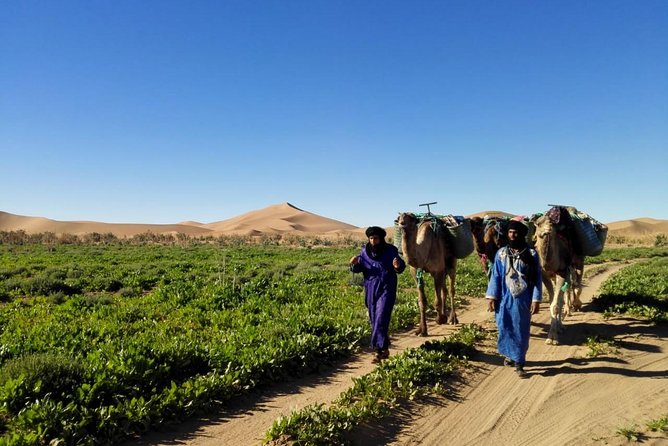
(407, 221)
(544, 227)
(545, 239)
(478, 232)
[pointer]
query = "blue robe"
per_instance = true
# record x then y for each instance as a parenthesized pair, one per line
(513, 313)
(380, 289)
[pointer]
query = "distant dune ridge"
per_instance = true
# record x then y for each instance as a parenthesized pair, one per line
(276, 219)
(283, 218)
(638, 226)
(34, 225)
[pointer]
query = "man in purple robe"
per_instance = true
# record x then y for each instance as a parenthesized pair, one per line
(380, 263)
(514, 292)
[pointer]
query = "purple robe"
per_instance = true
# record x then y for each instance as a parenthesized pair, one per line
(380, 289)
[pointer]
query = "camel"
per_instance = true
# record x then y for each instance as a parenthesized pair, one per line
(426, 248)
(561, 268)
(487, 239)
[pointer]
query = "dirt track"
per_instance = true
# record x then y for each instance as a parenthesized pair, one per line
(567, 399)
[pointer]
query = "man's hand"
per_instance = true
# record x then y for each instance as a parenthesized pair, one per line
(355, 260)
(492, 305)
(535, 307)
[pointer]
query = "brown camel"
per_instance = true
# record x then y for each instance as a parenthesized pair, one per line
(426, 248)
(561, 268)
(487, 239)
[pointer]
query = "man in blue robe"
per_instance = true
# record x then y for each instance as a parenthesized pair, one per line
(514, 292)
(379, 262)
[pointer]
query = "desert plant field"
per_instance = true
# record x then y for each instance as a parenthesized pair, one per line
(99, 343)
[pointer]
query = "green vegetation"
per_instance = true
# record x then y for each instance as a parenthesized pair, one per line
(636, 433)
(599, 346)
(661, 240)
(631, 433)
(397, 381)
(640, 290)
(660, 424)
(100, 342)
(625, 254)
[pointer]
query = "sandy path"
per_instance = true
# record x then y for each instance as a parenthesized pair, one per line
(568, 398)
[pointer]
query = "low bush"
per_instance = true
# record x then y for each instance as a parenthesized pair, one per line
(36, 376)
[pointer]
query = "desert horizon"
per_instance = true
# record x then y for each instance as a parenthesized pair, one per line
(283, 218)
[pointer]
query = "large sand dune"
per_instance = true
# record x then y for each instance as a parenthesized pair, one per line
(639, 226)
(278, 219)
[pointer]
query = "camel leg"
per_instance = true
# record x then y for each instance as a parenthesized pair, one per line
(577, 288)
(572, 296)
(439, 299)
(556, 309)
(577, 303)
(452, 318)
(422, 304)
(568, 301)
(547, 283)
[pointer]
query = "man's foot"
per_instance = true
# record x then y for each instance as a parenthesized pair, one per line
(520, 372)
(381, 354)
(508, 362)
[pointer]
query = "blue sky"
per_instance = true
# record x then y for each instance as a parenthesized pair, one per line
(165, 111)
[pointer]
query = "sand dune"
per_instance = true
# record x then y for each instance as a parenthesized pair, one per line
(283, 218)
(278, 219)
(34, 225)
(639, 226)
(495, 214)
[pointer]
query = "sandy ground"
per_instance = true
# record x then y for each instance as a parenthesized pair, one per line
(568, 398)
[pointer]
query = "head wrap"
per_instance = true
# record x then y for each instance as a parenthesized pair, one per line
(520, 227)
(375, 230)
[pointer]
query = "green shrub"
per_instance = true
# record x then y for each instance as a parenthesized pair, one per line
(93, 300)
(127, 292)
(26, 379)
(57, 298)
(45, 285)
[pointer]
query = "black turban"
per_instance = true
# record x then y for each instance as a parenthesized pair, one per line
(375, 230)
(520, 227)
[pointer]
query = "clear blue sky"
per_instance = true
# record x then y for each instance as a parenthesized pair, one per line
(164, 111)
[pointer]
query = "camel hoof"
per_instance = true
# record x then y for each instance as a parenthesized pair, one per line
(422, 331)
(548, 341)
(454, 321)
(440, 320)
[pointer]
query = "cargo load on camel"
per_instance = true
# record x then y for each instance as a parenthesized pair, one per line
(587, 234)
(456, 230)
